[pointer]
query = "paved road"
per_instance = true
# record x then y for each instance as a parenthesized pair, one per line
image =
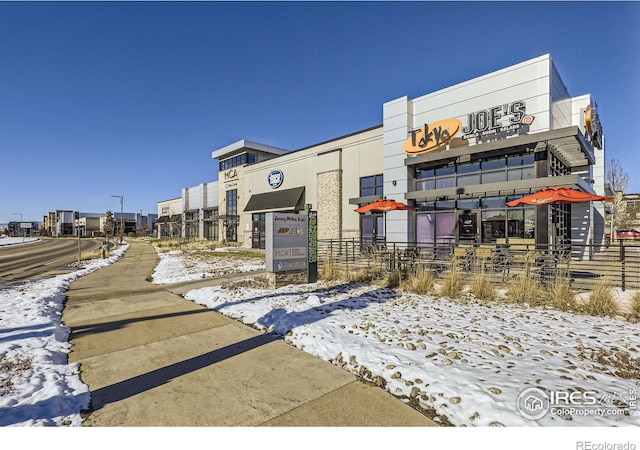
(152, 358)
(40, 258)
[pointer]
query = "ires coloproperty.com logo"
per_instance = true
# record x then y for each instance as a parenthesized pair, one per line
(534, 403)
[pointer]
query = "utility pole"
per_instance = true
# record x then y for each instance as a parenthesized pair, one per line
(121, 197)
(77, 217)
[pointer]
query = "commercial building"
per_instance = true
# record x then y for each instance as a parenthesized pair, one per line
(458, 155)
(60, 223)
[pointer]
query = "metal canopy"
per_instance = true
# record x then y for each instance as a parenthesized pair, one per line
(285, 200)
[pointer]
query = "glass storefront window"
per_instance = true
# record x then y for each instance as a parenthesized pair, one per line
(520, 160)
(445, 205)
(515, 223)
(211, 230)
(372, 185)
(445, 182)
(494, 177)
(425, 206)
(442, 171)
(493, 225)
(493, 202)
(529, 222)
(468, 168)
(468, 204)
(425, 185)
(468, 180)
(493, 164)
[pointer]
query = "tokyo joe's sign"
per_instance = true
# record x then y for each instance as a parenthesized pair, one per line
(485, 123)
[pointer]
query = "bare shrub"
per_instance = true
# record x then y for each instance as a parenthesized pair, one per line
(561, 296)
(12, 367)
(481, 286)
(421, 282)
(453, 282)
(601, 301)
(619, 363)
(392, 280)
(525, 290)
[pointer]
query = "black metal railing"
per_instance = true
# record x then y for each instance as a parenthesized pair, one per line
(583, 264)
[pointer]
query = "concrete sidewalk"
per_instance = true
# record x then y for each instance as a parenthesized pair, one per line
(152, 358)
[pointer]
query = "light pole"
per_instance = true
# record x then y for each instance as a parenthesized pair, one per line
(121, 197)
(23, 233)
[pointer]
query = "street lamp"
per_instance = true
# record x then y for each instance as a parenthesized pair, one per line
(121, 197)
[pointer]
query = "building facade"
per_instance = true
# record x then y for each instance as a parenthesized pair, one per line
(458, 155)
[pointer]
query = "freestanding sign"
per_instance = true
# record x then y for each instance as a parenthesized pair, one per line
(286, 246)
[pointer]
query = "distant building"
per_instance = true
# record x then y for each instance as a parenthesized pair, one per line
(60, 223)
(24, 228)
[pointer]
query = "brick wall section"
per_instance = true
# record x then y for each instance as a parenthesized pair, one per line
(330, 204)
(279, 279)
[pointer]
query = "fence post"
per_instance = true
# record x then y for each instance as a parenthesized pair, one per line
(622, 264)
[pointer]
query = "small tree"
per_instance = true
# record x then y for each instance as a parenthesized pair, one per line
(108, 226)
(618, 180)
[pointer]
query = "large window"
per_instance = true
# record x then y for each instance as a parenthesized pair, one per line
(372, 185)
(497, 222)
(232, 202)
(493, 170)
(238, 160)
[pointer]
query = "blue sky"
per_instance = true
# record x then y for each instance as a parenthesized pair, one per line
(101, 99)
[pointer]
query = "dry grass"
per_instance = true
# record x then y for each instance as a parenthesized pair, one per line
(422, 282)
(329, 270)
(93, 254)
(525, 290)
(261, 282)
(392, 280)
(635, 305)
(561, 296)
(166, 245)
(453, 282)
(482, 288)
(601, 301)
(359, 276)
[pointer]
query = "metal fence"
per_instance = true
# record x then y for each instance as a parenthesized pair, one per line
(584, 265)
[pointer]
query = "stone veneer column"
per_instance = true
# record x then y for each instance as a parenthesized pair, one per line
(329, 204)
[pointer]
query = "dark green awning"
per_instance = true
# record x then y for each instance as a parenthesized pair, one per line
(285, 200)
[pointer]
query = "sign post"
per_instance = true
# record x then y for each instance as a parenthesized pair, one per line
(312, 245)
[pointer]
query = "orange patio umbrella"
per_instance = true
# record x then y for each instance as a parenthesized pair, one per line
(384, 206)
(557, 194)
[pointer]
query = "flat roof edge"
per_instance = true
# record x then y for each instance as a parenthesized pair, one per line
(250, 145)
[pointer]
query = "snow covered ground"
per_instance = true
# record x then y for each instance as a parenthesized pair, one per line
(177, 266)
(461, 362)
(464, 363)
(48, 391)
(6, 240)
